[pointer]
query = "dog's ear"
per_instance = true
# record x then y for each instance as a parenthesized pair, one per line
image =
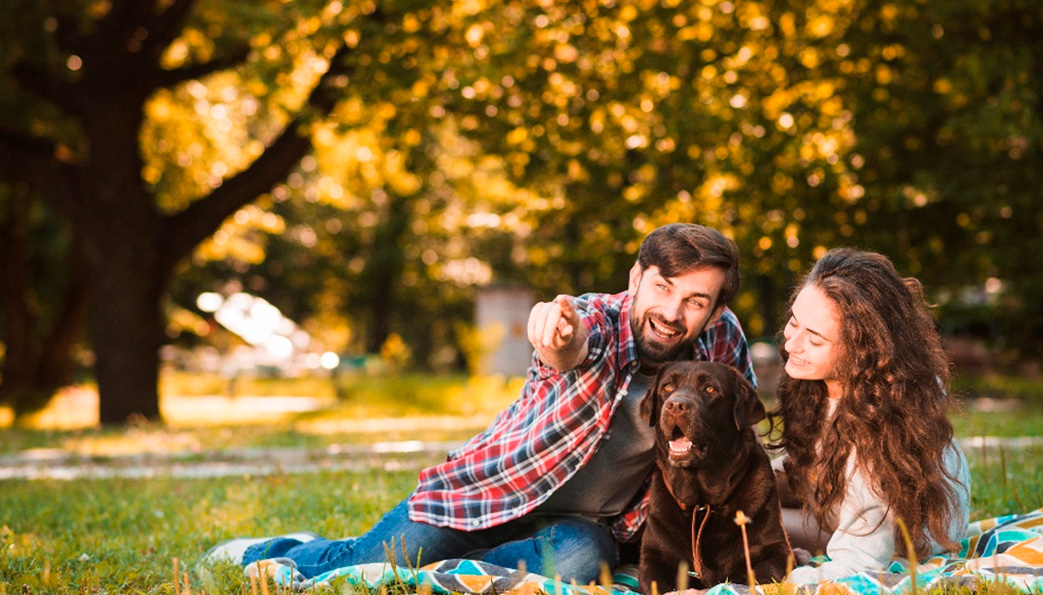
(650, 405)
(748, 406)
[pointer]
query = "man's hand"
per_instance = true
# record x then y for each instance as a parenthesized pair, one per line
(558, 334)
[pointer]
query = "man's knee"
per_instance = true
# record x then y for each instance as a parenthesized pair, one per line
(578, 550)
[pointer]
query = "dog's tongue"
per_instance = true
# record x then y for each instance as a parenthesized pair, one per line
(680, 445)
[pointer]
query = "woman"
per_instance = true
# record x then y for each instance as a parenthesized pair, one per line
(866, 437)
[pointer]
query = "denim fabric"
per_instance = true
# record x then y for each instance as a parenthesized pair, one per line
(570, 547)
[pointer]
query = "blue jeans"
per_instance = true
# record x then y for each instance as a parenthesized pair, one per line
(570, 547)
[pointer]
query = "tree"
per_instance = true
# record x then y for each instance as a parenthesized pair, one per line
(792, 126)
(95, 68)
(38, 266)
(529, 140)
(950, 129)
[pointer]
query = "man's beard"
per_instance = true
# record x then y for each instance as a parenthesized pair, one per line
(651, 350)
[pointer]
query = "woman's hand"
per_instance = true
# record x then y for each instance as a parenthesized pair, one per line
(801, 556)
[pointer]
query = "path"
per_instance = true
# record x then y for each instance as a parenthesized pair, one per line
(62, 465)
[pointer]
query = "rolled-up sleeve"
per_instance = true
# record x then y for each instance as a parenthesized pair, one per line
(864, 538)
(865, 535)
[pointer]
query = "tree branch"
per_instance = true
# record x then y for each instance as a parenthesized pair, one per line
(33, 160)
(123, 18)
(165, 26)
(183, 231)
(16, 145)
(42, 83)
(67, 33)
(169, 78)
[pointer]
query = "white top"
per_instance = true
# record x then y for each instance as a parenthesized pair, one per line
(865, 535)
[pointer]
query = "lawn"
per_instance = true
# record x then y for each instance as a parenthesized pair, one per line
(125, 535)
(98, 536)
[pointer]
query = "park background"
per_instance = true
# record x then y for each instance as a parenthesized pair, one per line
(366, 171)
(366, 167)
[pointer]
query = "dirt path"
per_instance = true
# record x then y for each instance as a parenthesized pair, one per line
(61, 465)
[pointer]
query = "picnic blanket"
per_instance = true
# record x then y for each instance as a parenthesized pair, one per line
(1006, 549)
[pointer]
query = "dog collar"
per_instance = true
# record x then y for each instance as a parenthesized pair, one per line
(680, 504)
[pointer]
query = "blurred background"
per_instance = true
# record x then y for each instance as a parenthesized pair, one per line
(197, 194)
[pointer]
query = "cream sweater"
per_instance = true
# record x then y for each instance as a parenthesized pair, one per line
(865, 535)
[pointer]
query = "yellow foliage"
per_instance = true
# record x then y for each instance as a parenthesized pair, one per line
(820, 26)
(517, 136)
(787, 24)
(884, 75)
(889, 12)
(410, 24)
(810, 58)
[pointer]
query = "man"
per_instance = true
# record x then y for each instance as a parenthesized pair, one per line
(559, 478)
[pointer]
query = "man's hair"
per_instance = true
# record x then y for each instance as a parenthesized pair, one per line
(680, 248)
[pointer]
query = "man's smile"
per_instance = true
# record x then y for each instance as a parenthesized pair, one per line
(662, 330)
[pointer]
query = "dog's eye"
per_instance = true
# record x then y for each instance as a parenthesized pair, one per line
(668, 387)
(710, 389)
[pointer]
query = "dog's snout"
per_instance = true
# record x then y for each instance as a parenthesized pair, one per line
(678, 405)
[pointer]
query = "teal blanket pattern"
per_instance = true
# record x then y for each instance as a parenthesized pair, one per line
(1006, 549)
(441, 578)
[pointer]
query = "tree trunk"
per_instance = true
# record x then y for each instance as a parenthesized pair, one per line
(57, 365)
(384, 270)
(768, 303)
(22, 347)
(127, 275)
(38, 358)
(125, 325)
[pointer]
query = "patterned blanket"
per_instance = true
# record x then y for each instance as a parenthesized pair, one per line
(1006, 549)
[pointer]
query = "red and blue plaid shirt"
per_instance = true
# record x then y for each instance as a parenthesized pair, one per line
(537, 443)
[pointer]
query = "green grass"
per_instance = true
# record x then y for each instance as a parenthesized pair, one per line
(197, 385)
(123, 536)
(997, 386)
(1005, 481)
(361, 393)
(120, 535)
(1021, 421)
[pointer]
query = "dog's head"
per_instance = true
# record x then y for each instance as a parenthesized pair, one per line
(700, 410)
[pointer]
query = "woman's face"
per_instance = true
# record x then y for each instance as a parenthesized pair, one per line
(813, 339)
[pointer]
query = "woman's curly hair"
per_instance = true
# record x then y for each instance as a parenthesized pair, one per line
(893, 412)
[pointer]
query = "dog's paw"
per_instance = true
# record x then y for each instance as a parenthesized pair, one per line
(801, 556)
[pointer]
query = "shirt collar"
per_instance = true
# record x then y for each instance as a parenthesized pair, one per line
(627, 346)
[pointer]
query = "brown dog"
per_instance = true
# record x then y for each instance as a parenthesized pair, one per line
(710, 466)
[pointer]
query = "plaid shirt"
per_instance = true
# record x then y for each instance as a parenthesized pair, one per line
(537, 443)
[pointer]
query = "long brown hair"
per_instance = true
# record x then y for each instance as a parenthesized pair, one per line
(893, 412)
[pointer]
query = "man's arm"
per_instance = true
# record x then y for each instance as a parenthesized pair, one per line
(558, 334)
